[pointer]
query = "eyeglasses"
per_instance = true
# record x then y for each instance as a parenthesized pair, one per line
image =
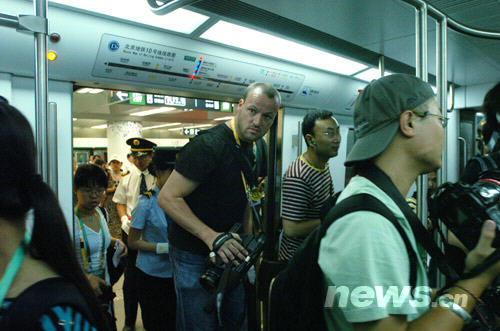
(86, 191)
(442, 119)
(331, 132)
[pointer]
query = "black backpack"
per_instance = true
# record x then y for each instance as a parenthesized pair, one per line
(297, 293)
(37, 300)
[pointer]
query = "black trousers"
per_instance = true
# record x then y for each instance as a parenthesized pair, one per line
(130, 281)
(158, 302)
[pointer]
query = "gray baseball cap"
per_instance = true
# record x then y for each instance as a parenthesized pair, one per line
(377, 111)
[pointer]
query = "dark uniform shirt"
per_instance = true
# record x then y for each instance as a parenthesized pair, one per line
(219, 201)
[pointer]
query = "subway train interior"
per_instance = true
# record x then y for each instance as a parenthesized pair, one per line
(90, 74)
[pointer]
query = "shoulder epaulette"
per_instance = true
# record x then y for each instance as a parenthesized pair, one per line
(125, 173)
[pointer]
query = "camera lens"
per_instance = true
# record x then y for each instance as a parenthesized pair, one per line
(210, 278)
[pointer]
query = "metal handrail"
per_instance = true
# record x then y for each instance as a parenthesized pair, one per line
(168, 6)
(53, 172)
(453, 24)
(41, 93)
(37, 25)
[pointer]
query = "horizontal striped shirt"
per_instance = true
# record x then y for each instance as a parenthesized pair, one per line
(304, 191)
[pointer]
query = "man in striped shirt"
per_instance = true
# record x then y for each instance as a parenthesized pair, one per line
(307, 184)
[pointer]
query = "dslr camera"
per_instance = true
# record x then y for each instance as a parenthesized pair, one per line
(254, 245)
(464, 208)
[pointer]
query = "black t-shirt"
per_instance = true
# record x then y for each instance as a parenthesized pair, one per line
(219, 201)
(473, 168)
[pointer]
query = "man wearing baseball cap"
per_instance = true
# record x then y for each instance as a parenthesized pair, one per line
(138, 181)
(399, 136)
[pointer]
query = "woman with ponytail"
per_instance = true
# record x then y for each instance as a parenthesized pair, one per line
(42, 286)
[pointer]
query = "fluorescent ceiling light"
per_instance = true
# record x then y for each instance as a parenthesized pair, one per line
(180, 20)
(174, 129)
(371, 74)
(89, 90)
(95, 90)
(152, 111)
(264, 43)
(223, 118)
(102, 126)
(197, 126)
(83, 90)
(74, 119)
(160, 126)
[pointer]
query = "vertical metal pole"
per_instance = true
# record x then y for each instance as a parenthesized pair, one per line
(442, 83)
(41, 95)
(421, 42)
(269, 203)
(442, 88)
(299, 139)
(52, 143)
(381, 65)
(421, 68)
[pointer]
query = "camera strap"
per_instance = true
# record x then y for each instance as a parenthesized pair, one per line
(248, 177)
(423, 237)
(488, 262)
(220, 240)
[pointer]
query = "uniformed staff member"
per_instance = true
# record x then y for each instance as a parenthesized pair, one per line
(126, 195)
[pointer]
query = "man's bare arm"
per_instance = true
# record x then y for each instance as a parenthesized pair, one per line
(121, 209)
(299, 229)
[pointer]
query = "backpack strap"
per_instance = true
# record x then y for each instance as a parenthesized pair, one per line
(423, 237)
(367, 202)
(25, 312)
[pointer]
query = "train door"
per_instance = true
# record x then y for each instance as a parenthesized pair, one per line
(471, 142)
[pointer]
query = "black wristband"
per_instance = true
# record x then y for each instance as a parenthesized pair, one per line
(220, 240)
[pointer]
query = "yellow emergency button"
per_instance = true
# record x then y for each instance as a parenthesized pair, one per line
(51, 55)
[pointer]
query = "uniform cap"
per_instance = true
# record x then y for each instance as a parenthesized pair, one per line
(140, 146)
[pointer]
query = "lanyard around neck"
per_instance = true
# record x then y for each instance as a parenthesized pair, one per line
(238, 142)
(13, 266)
(253, 195)
(84, 247)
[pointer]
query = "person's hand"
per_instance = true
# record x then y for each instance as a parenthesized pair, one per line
(230, 249)
(123, 249)
(124, 219)
(94, 284)
(483, 249)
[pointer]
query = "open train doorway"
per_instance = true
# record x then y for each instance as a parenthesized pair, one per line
(104, 119)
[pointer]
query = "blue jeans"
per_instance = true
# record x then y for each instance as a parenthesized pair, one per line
(192, 297)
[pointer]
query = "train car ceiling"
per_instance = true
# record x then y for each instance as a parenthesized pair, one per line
(355, 32)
